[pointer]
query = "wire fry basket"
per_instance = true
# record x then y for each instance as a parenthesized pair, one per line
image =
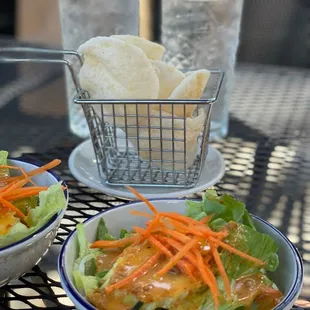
(141, 142)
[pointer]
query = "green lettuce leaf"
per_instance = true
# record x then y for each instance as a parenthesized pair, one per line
(194, 208)
(224, 209)
(124, 234)
(101, 274)
(218, 224)
(252, 242)
(247, 220)
(84, 271)
(84, 284)
(17, 232)
(51, 201)
(86, 260)
(234, 209)
(102, 231)
(213, 206)
(211, 193)
(137, 306)
(4, 161)
(4, 157)
(82, 241)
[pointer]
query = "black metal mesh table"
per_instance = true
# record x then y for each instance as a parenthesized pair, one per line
(267, 153)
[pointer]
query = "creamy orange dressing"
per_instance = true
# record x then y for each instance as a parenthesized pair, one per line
(7, 220)
(113, 301)
(106, 260)
(148, 287)
(252, 287)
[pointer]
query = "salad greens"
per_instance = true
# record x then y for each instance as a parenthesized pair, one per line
(4, 172)
(224, 209)
(102, 233)
(37, 209)
(225, 213)
(243, 236)
(84, 270)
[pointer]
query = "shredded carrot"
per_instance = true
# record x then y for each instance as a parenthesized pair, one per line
(114, 243)
(54, 163)
(5, 188)
(153, 224)
(182, 264)
(178, 217)
(8, 205)
(29, 189)
(160, 246)
(141, 197)
(139, 213)
(138, 272)
(32, 173)
(180, 226)
(192, 224)
(237, 252)
(206, 219)
(194, 230)
(207, 259)
(36, 171)
(222, 271)
(190, 256)
(206, 278)
(187, 268)
(181, 241)
(14, 186)
(174, 260)
(25, 192)
(173, 233)
(206, 231)
(23, 195)
(17, 168)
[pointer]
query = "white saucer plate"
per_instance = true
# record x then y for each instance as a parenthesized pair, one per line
(82, 164)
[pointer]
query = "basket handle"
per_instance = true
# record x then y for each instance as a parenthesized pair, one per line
(36, 59)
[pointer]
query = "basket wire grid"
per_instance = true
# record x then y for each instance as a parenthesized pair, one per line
(140, 142)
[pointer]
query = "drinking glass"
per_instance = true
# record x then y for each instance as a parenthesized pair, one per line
(204, 34)
(80, 21)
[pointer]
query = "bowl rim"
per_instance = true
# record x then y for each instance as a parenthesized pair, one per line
(47, 226)
(65, 282)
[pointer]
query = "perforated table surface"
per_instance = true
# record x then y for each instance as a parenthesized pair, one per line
(267, 153)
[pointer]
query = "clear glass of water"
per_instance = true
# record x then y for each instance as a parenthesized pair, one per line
(82, 20)
(204, 34)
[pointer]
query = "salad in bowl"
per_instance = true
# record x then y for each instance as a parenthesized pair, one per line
(32, 203)
(172, 254)
(24, 205)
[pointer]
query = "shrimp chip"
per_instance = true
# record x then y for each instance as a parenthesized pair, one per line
(171, 139)
(152, 50)
(169, 78)
(191, 87)
(114, 69)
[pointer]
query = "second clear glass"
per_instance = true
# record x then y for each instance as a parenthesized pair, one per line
(204, 34)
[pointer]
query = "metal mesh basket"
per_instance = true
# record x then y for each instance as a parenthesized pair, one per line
(143, 142)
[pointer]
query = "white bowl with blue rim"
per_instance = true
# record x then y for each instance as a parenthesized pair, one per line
(288, 276)
(19, 257)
